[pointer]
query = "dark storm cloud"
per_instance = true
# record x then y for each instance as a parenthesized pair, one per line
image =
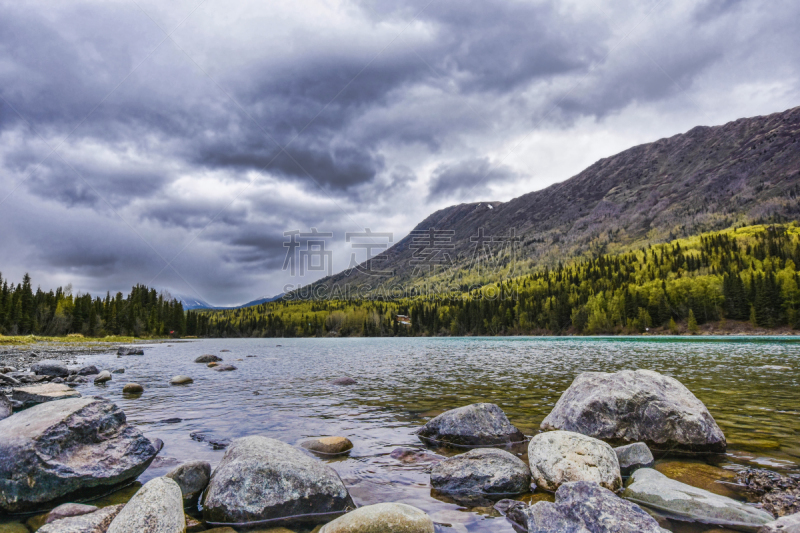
(467, 177)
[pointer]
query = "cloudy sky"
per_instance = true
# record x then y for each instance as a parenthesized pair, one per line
(173, 143)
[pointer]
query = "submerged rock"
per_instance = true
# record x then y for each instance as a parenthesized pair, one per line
(778, 494)
(56, 450)
(482, 471)
(382, 517)
(118, 371)
(413, 455)
(103, 376)
(655, 490)
(155, 508)
(95, 522)
(479, 424)
(181, 380)
(261, 479)
(585, 507)
(632, 406)
(50, 367)
(36, 394)
(224, 368)
(67, 510)
(785, 524)
(633, 456)
(559, 457)
(215, 442)
(328, 445)
(208, 358)
(132, 388)
(192, 478)
(344, 381)
(130, 351)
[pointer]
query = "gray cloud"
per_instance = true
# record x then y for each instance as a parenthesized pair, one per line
(387, 110)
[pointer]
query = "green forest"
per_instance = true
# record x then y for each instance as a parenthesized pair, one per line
(144, 313)
(746, 275)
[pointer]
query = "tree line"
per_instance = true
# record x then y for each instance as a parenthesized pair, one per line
(746, 274)
(143, 313)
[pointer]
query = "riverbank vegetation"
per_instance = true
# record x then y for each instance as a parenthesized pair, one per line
(738, 278)
(143, 313)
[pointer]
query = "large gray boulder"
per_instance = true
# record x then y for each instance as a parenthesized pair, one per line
(382, 518)
(50, 367)
(192, 478)
(479, 424)
(482, 471)
(634, 456)
(637, 406)
(56, 450)
(655, 490)
(155, 508)
(46, 392)
(261, 479)
(95, 522)
(784, 524)
(559, 457)
(585, 507)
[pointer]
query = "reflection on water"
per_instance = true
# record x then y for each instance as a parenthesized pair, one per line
(284, 393)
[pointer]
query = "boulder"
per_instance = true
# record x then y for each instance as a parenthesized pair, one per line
(328, 445)
(344, 381)
(479, 424)
(132, 388)
(96, 522)
(192, 478)
(784, 524)
(637, 406)
(155, 508)
(585, 507)
(5, 407)
(130, 351)
(260, 479)
(56, 450)
(9, 380)
(559, 457)
(103, 376)
(87, 370)
(482, 471)
(655, 490)
(380, 518)
(67, 510)
(633, 456)
(208, 358)
(181, 380)
(47, 392)
(224, 368)
(50, 367)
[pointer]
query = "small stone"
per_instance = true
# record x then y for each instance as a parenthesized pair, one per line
(192, 478)
(479, 424)
(412, 455)
(224, 368)
(155, 508)
(69, 509)
(224, 350)
(208, 358)
(344, 381)
(130, 351)
(102, 377)
(96, 522)
(8, 379)
(118, 371)
(382, 517)
(212, 365)
(181, 380)
(633, 456)
(132, 388)
(558, 457)
(328, 445)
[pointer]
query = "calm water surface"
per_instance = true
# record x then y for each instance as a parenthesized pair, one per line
(749, 385)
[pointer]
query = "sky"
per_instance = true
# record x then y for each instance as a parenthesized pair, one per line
(174, 144)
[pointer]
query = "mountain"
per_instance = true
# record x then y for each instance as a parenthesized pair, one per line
(196, 303)
(706, 179)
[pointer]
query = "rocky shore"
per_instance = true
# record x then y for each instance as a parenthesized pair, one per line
(594, 454)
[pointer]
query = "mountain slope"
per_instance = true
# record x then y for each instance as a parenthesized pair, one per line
(705, 179)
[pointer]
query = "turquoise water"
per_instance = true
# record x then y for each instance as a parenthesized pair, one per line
(750, 385)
